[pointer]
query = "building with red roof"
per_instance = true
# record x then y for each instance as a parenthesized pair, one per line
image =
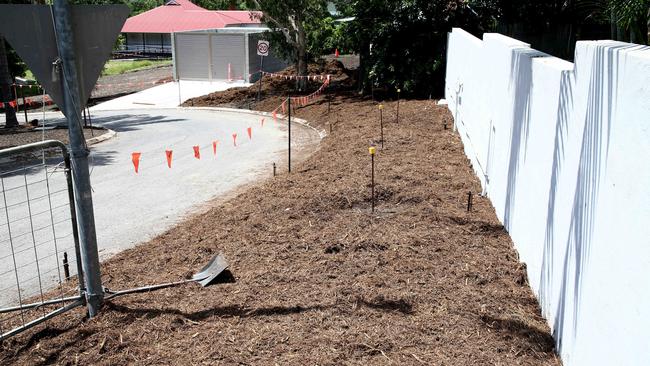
(150, 32)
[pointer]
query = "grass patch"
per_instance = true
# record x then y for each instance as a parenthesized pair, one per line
(114, 67)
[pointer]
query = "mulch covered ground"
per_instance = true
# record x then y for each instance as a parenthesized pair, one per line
(23, 134)
(319, 278)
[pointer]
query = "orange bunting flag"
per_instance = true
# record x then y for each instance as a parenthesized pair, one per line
(169, 158)
(197, 152)
(262, 122)
(250, 133)
(214, 147)
(234, 139)
(135, 158)
(336, 53)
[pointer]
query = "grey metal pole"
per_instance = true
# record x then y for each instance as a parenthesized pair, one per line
(289, 108)
(259, 89)
(79, 157)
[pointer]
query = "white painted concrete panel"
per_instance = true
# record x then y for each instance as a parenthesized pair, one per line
(564, 162)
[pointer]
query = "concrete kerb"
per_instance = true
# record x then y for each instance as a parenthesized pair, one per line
(103, 137)
(321, 133)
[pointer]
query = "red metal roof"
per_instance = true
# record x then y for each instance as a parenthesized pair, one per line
(183, 15)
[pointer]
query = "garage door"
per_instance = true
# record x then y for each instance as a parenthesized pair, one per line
(192, 56)
(228, 49)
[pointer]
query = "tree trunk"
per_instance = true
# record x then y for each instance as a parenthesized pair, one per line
(5, 87)
(303, 59)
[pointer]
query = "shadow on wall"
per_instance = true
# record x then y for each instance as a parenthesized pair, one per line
(521, 79)
(594, 151)
(565, 106)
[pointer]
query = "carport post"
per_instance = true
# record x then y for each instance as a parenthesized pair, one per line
(79, 157)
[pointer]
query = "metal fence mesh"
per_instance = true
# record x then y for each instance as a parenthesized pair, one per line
(38, 255)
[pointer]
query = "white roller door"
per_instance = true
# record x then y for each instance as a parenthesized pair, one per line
(228, 52)
(192, 56)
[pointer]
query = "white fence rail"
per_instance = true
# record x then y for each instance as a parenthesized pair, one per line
(562, 152)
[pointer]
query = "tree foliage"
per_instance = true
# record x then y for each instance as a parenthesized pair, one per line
(402, 43)
(222, 4)
(293, 24)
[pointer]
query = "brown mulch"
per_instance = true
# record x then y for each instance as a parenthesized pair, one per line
(274, 88)
(10, 137)
(319, 278)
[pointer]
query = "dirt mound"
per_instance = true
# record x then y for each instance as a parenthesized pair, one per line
(273, 86)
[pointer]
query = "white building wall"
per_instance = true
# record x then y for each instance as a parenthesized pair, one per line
(561, 151)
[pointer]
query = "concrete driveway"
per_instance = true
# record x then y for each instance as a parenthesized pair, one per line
(166, 95)
(131, 208)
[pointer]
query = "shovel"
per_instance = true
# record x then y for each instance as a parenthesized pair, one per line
(206, 276)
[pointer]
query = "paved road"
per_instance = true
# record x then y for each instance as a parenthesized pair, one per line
(131, 208)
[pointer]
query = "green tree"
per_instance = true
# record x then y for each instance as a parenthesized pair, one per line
(291, 22)
(222, 4)
(402, 42)
(631, 17)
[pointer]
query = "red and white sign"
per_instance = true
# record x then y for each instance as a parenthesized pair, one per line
(263, 48)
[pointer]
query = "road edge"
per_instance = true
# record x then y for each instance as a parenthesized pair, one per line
(103, 137)
(321, 132)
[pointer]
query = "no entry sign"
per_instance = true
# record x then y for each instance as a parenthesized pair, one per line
(262, 48)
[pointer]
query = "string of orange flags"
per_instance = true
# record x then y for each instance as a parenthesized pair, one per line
(280, 112)
(196, 149)
(30, 102)
(326, 77)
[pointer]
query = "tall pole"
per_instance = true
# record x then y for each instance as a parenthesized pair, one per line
(381, 123)
(259, 89)
(79, 157)
(371, 150)
(289, 108)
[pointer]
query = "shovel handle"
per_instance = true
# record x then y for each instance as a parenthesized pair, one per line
(113, 294)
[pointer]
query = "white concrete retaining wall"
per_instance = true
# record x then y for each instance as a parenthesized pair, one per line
(563, 152)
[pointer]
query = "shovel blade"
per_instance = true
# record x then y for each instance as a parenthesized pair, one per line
(210, 271)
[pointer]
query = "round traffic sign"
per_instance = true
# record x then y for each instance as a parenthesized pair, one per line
(263, 48)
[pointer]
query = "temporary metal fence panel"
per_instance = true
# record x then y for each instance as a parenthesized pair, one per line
(39, 245)
(192, 56)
